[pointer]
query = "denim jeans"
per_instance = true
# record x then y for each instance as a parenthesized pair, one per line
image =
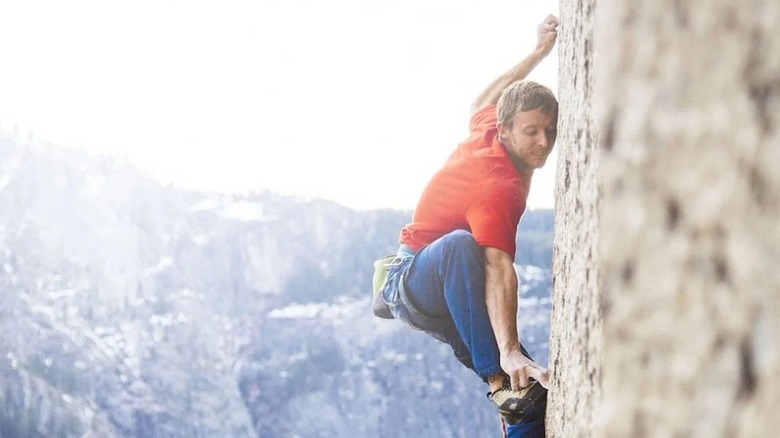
(531, 427)
(441, 291)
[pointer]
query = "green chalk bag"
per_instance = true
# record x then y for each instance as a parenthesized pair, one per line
(378, 305)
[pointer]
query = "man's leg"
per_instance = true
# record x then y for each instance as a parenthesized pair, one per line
(448, 278)
(531, 427)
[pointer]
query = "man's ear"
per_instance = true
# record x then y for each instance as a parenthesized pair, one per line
(503, 131)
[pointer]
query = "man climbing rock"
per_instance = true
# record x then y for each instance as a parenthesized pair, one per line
(453, 276)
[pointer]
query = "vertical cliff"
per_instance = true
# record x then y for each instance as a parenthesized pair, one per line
(679, 127)
(575, 343)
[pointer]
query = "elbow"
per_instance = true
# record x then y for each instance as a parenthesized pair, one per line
(502, 273)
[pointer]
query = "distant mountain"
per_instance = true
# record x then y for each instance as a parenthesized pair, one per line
(135, 309)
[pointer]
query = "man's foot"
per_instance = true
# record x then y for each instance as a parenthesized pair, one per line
(514, 405)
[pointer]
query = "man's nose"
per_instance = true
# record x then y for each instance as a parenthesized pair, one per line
(544, 141)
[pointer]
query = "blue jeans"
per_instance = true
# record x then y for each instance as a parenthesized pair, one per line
(441, 291)
(531, 427)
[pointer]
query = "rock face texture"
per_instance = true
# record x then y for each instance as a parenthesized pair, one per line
(575, 343)
(681, 133)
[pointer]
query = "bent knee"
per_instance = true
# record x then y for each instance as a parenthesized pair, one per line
(462, 240)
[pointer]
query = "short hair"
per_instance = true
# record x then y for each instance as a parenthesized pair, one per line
(525, 96)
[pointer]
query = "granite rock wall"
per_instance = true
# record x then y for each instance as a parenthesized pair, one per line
(666, 316)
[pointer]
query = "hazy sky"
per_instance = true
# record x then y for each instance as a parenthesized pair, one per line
(358, 101)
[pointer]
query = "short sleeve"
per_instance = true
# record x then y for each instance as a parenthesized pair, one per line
(493, 218)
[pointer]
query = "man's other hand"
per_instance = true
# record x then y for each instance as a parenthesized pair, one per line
(520, 368)
(547, 32)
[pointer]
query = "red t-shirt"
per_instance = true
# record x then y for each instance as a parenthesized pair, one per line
(478, 190)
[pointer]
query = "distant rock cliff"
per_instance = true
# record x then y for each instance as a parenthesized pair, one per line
(666, 318)
(135, 310)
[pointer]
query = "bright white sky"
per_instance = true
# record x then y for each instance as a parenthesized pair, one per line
(340, 99)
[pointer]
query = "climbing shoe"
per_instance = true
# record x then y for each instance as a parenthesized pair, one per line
(515, 405)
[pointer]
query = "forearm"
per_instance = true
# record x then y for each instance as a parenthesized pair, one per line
(547, 32)
(501, 301)
(518, 72)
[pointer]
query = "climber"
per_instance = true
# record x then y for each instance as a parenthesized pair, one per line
(453, 276)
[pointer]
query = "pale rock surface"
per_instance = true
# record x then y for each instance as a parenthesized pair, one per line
(686, 113)
(575, 343)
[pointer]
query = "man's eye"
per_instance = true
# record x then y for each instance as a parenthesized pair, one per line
(531, 132)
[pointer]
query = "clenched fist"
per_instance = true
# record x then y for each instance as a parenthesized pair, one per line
(547, 32)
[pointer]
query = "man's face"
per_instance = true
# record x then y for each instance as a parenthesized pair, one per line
(530, 139)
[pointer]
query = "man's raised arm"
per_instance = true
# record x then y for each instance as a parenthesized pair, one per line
(547, 32)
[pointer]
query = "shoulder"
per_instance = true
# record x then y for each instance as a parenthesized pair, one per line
(483, 119)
